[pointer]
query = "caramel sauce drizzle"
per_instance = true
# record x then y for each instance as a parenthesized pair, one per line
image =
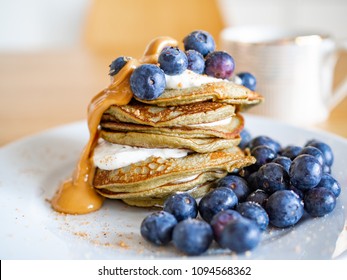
(77, 195)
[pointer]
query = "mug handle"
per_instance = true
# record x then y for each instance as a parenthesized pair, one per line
(341, 92)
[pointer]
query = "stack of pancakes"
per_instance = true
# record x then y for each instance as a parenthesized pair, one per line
(204, 120)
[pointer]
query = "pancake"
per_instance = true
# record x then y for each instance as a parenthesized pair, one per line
(196, 192)
(225, 92)
(157, 177)
(148, 140)
(165, 189)
(228, 128)
(144, 114)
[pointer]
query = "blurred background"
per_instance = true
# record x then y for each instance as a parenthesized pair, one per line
(112, 25)
(54, 54)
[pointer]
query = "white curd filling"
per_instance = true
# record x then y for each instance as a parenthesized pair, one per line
(186, 179)
(189, 79)
(109, 156)
(237, 80)
(216, 123)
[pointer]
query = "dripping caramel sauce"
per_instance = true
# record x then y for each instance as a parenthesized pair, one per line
(77, 195)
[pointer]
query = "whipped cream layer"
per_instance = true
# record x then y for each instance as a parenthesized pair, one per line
(212, 124)
(109, 156)
(186, 179)
(189, 79)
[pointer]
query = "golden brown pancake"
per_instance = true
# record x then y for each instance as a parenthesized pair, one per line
(148, 190)
(226, 92)
(147, 140)
(144, 114)
(196, 192)
(229, 130)
(157, 178)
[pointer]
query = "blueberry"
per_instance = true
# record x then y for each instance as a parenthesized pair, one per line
(272, 177)
(237, 184)
(221, 219)
(284, 161)
(326, 169)
(157, 227)
(252, 181)
(325, 149)
(305, 172)
(147, 82)
(182, 206)
(196, 61)
(254, 212)
(300, 193)
(258, 196)
(246, 172)
(201, 41)
(263, 154)
(319, 202)
(248, 80)
(219, 64)
(285, 208)
(192, 237)
(240, 235)
(215, 201)
(117, 64)
(310, 150)
(245, 138)
(291, 151)
(173, 61)
(330, 183)
(265, 141)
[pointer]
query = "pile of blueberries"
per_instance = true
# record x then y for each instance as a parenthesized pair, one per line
(148, 80)
(276, 191)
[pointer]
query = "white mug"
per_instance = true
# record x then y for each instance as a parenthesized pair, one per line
(294, 70)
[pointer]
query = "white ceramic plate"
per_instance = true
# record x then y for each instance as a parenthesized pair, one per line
(32, 168)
